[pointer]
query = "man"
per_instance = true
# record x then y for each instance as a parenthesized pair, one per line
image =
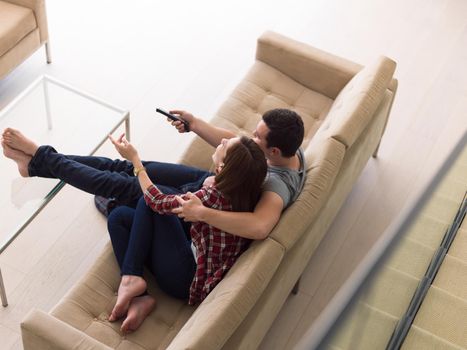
(279, 134)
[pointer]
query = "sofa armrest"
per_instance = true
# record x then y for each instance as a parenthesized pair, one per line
(38, 6)
(318, 70)
(40, 331)
(219, 315)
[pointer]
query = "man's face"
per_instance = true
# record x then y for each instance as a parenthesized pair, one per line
(259, 136)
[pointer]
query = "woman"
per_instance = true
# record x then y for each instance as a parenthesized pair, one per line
(163, 243)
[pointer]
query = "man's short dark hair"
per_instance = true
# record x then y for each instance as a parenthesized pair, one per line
(285, 130)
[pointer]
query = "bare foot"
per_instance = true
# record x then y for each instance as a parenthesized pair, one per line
(130, 287)
(140, 308)
(16, 140)
(22, 159)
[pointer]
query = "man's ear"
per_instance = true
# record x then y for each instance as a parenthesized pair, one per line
(276, 152)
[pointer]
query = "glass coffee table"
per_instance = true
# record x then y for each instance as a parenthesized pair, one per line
(49, 112)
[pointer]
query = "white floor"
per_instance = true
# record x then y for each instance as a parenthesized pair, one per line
(145, 54)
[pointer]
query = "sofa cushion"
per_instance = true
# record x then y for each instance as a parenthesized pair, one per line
(358, 101)
(263, 88)
(87, 306)
(15, 23)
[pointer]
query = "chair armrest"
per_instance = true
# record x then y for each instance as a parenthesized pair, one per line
(38, 7)
(223, 310)
(318, 70)
(41, 331)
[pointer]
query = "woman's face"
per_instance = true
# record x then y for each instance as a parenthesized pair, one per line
(221, 150)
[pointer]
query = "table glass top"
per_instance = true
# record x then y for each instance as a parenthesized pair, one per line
(48, 112)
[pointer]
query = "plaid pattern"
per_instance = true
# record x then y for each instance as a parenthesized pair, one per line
(216, 250)
(105, 205)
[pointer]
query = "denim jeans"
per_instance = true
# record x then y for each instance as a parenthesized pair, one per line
(140, 237)
(162, 243)
(112, 178)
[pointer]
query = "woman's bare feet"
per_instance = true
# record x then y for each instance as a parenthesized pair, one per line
(16, 140)
(140, 308)
(130, 287)
(22, 159)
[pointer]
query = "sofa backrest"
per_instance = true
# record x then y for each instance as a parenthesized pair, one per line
(356, 104)
(262, 89)
(307, 65)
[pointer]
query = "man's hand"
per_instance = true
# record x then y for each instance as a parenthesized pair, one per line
(125, 148)
(186, 116)
(190, 209)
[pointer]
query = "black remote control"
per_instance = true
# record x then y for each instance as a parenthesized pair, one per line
(174, 118)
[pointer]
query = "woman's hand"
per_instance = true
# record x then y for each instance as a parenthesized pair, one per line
(125, 148)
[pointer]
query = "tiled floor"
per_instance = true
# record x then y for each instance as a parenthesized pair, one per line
(147, 54)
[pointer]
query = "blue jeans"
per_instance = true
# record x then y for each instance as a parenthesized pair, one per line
(112, 178)
(162, 243)
(140, 237)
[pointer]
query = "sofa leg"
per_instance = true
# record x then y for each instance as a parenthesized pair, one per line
(375, 153)
(2, 291)
(47, 52)
(297, 285)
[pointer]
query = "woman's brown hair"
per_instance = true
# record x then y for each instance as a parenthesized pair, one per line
(243, 174)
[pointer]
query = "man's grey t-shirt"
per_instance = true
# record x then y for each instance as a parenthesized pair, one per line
(287, 183)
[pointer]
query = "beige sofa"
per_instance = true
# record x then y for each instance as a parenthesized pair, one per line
(23, 30)
(345, 110)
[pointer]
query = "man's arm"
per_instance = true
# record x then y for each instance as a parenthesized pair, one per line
(255, 225)
(209, 133)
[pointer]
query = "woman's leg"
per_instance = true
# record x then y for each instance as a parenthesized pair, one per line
(171, 259)
(140, 307)
(119, 225)
(160, 242)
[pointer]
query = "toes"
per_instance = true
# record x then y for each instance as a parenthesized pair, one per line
(116, 313)
(8, 132)
(112, 318)
(126, 327)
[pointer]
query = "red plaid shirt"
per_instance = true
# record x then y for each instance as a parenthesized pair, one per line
(216, 250)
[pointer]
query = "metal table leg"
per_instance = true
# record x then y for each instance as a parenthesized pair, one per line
(127, 126)
(2, 291)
